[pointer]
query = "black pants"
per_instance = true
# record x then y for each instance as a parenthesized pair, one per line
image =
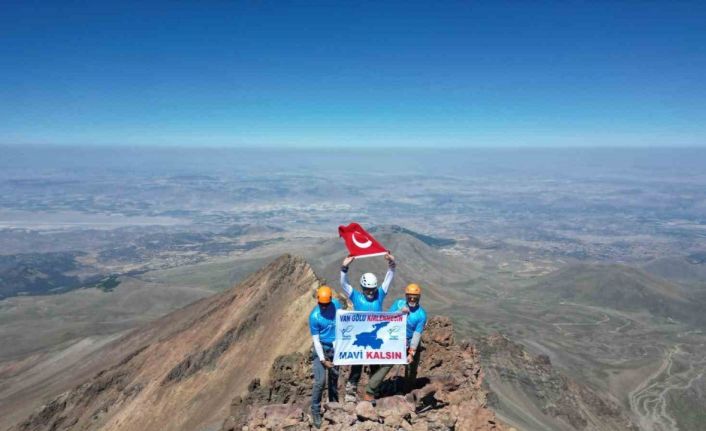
(357, 371)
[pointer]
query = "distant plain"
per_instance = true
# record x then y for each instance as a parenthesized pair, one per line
(593, 257)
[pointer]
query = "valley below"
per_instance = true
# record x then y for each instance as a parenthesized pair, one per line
(584, 292)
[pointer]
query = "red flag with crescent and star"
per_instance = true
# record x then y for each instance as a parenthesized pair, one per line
(359, 242)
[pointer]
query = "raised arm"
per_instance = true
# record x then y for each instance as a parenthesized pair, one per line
(390, 272)
(345, 284)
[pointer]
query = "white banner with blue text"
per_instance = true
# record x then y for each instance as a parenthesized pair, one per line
(370, 338)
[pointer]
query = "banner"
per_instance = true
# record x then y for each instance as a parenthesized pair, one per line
(370, 338)
(359, 242)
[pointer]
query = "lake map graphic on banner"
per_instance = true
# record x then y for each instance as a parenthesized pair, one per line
(369, 338)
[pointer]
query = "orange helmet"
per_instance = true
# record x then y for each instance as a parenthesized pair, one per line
(324, 294)
(413, 289)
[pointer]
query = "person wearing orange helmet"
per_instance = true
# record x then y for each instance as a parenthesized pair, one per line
(322, 325)
(416, 320)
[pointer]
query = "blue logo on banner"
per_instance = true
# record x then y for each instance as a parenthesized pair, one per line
(370, 339)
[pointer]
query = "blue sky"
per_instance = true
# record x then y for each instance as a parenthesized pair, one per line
(353, 74)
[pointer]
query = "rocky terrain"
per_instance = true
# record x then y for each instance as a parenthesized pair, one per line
(549, 397)
(610, 360)
(180, 372)
(449, 395)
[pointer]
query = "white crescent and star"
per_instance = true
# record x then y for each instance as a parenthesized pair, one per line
(365, 244)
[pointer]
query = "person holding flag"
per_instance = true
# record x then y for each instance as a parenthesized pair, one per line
(322, 325)
(370, 298)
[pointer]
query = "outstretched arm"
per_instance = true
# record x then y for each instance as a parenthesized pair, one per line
(345, 284)
(390, 272)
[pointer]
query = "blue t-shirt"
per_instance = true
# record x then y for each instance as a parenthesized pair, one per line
(361, 303)
(416, 319)
(323, 322)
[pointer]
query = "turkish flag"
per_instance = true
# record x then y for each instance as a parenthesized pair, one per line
(359, 242)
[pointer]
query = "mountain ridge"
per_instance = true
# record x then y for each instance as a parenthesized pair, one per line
(182, 367)
(552, 399)
(445, 279)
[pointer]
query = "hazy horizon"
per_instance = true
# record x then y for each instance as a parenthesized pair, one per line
(549, 161)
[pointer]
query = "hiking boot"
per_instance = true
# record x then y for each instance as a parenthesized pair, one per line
(369, 397)
(316, 420)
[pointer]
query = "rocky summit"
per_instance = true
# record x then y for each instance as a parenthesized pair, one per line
(448, 394)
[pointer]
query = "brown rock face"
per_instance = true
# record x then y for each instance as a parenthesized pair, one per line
(448, 394)
(562, 402)
(180, 372)
(365, 411)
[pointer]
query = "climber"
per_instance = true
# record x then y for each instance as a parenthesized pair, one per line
(416, 319)
(322, 324)
(370, 299)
